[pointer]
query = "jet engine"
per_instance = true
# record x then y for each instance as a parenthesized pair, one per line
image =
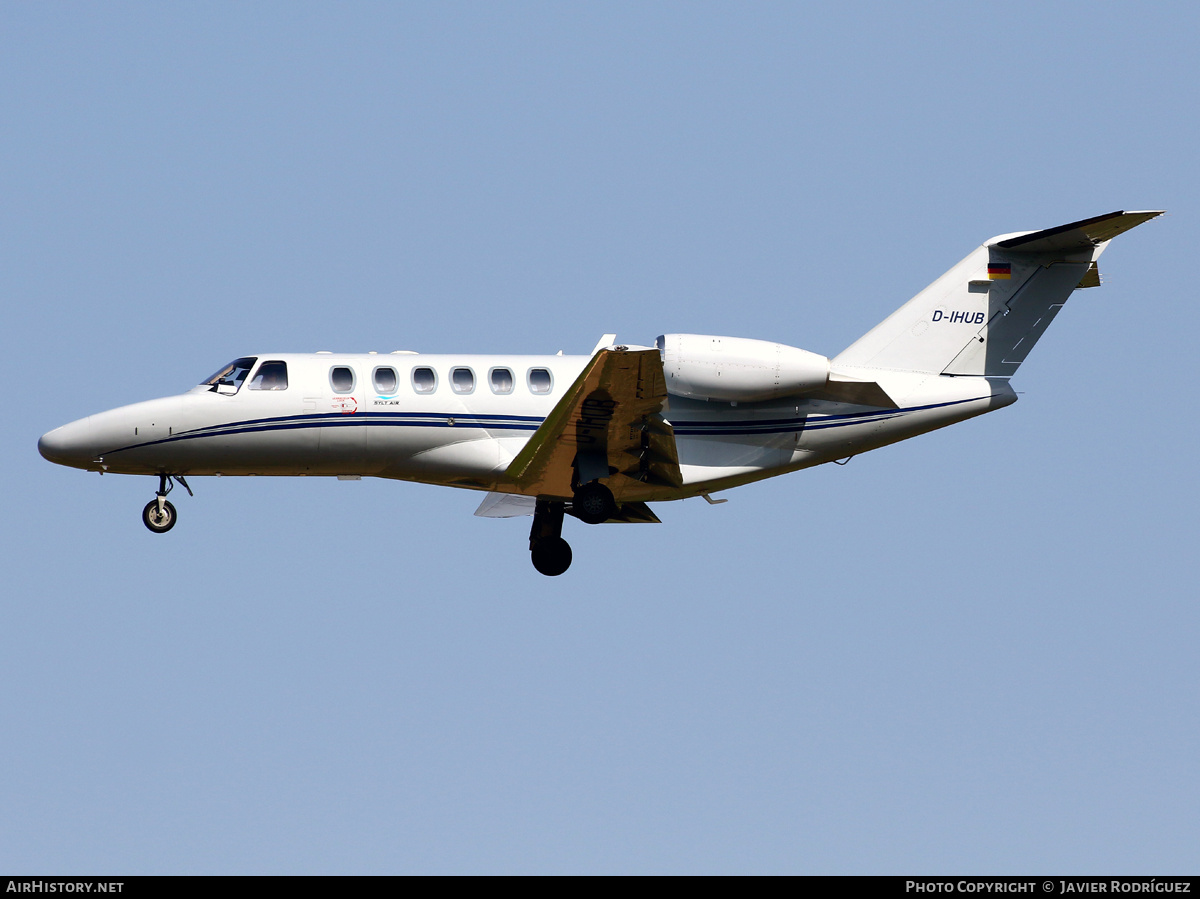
(737, 369)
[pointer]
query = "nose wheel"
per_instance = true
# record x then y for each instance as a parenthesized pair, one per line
(159, 515)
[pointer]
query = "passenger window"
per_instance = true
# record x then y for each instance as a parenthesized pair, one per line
(462, 380)
(540, 380)
(386, 381)
(342, 379)
(270, 376)
(501, 380)
(424, 380)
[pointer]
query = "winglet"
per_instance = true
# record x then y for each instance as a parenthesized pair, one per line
(606, 340)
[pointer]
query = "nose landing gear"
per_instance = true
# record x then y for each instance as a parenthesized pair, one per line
(159, 515)
(550, 553)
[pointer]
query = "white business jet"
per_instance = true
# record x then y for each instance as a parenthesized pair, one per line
(599, 437)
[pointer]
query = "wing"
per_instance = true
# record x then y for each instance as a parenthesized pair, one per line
(607, 426)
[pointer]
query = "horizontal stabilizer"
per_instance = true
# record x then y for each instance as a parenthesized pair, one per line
(1078, 235)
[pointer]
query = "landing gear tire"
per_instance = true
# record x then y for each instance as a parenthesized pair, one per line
(594, 503)
(551, 556)
(158, 522)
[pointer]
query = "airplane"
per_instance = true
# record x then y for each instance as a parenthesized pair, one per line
(600, 437)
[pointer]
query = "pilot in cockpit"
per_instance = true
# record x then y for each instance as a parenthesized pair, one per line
(271, 376)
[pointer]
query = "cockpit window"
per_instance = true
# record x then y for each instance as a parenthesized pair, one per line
(270, 376)
(229, 379)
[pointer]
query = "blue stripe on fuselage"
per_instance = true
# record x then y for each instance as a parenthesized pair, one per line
(741, 428)
(801, 423)
(343, 420)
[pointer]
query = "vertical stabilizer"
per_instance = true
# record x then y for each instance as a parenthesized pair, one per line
(984, 315)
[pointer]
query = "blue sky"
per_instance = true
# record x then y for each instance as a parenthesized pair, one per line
(970, 652)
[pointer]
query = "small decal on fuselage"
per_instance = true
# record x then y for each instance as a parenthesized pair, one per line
(347, 405)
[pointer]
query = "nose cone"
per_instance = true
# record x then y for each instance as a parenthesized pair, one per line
(69, 445)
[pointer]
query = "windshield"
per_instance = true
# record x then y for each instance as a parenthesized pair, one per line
(232, 374)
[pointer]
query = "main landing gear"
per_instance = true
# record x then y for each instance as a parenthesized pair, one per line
(551, 554)
(159, 515)
(593, 503)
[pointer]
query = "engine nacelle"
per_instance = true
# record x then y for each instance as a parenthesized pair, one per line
(737, 369)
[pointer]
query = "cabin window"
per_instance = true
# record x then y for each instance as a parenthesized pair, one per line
(270, 376)
(462, 380)
(386, 381)
(540, 380)
(341, 379)
(424, 380)
(229, 379)
(501, 380)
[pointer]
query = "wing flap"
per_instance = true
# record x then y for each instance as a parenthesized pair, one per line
(506, 505)
(631, 513)
(516, 505)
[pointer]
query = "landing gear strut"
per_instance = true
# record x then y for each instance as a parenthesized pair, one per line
(551, 554)
(159, 515)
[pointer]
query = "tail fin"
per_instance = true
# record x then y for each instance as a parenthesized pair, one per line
(984, 315)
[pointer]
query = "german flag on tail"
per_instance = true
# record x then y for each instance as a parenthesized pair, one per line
(999, 271)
